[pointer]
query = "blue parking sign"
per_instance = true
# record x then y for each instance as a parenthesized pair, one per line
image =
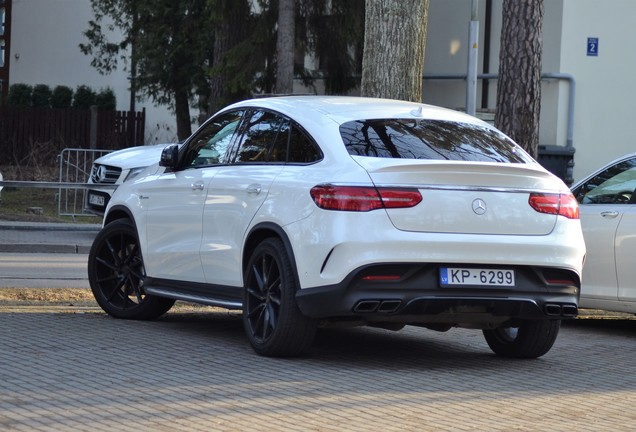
(592, 47)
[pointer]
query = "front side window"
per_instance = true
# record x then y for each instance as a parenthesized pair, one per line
(615, 185)
(429, 139)
(263, 131)
(274, 138)
(210, 143)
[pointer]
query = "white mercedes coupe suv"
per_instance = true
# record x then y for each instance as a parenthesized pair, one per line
(308, 210)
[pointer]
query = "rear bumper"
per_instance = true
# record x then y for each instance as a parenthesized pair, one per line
(416, 296)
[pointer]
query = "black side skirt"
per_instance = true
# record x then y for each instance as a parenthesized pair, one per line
(212, 295)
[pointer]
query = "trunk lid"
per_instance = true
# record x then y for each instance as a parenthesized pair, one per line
(467, 197)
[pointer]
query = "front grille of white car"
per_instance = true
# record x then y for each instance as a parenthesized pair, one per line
(105, 174)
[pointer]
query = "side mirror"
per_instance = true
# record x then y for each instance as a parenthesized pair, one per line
(170, 156)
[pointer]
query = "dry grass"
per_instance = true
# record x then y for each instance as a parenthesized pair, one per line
(78, 298)
(48, 296)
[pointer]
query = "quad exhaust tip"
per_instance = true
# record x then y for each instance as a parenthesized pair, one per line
(380, 306)
(561, 310)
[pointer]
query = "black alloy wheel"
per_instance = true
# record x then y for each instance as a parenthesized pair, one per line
(116, 274)
(273, 323)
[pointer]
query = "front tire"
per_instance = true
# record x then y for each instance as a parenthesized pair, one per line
(116, 274)
(531, 339)
(273, 323)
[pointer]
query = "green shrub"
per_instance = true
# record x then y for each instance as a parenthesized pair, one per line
(84, 97)
(41, 96)
(62, 97)
(20, 95)
(106, 99)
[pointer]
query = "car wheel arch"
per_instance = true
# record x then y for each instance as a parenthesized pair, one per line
(119, 212)
(262, 231)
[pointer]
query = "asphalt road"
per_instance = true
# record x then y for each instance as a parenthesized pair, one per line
(43, 270)
(44, 255)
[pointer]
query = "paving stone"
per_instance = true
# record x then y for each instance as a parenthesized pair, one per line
(82, 370)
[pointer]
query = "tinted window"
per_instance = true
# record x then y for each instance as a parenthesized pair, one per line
(279, 150)
(302, 148)
(429, 139)
(614, 185)
(210, 143)
(261, 135)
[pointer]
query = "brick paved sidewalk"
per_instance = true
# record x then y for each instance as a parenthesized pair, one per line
(78, 369)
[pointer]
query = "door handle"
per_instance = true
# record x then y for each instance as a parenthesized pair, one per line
(254, 188)
(609, 214)
(197, 186)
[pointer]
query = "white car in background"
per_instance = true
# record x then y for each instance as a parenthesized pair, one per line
(607, 202)
(116, 167)
(309, 210)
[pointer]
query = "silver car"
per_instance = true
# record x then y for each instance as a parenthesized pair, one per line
(607, 203)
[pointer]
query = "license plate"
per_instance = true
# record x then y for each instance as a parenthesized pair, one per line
(97, 200)
(455, 276)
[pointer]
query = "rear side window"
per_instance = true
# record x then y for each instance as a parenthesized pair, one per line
(429, 139)
(302, 148)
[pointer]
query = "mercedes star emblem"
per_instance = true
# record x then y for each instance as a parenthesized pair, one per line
(479, 206)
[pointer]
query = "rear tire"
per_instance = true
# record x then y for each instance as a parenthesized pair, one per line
(532, 339)
(273, 323)
(116, 274)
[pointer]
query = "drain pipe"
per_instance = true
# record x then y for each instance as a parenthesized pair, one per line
(471, 72)
(572, 97)
(558, 76)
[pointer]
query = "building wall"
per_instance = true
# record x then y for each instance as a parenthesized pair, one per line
(603, 93)
(604, 114)
(45, 38)
(446, 52)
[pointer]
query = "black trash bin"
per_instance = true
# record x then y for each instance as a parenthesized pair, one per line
(558, 160)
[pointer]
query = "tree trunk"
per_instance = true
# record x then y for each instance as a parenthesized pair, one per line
(394, 42)
(519, 84)
(228, 33)
(182, 113)
(285, 46)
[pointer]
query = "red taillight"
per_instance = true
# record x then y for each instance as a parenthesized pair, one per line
(556, 204)
(400, 198)
(363, 198)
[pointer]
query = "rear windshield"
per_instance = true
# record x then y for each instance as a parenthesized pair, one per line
(429, 139)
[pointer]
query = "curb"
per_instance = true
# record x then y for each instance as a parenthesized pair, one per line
(48, 226)
(44, 248)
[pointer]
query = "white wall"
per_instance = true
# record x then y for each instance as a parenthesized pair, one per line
(605, 93)
(45, 38)
(604, 90)
(446, 52)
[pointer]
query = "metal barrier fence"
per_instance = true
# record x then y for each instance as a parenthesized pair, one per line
(75, 167)
(74, 171)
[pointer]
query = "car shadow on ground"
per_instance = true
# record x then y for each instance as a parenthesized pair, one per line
(412, 347)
